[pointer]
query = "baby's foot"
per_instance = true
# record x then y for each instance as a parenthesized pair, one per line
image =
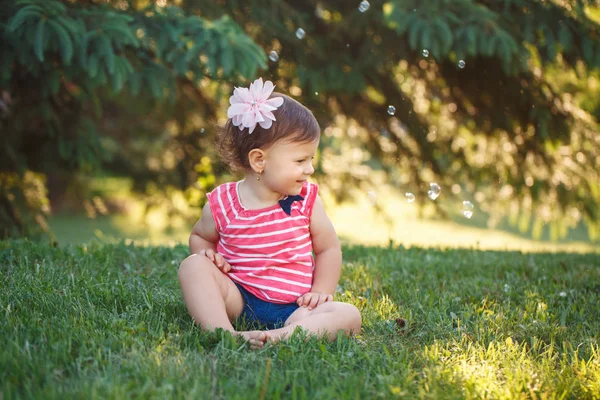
(277, 335)
(256, 339)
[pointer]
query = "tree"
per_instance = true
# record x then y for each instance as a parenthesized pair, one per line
(478, 106)
(58, 63)
(482, 91)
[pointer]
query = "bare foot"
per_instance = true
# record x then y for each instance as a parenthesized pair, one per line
(277, 335)
(256, 339)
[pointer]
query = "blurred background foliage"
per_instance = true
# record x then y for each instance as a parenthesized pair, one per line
(496, 101)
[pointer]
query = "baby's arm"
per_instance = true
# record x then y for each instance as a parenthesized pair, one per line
(328, 258)
(204, 237)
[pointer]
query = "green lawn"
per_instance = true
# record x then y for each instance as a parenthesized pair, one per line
(108, 321)
(356, 222)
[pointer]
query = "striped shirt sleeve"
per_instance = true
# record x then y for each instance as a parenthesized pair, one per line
(217, 207)
(309, 192)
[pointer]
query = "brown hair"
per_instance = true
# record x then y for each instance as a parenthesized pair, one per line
(294, 122)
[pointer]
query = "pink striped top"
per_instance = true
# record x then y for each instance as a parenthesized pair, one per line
(270, 252)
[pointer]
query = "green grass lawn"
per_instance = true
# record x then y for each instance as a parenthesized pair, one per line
(356, 222)
(108, 321)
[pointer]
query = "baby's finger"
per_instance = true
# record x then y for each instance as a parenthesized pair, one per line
(210, 253)
(226, 267)
(314, 301)
(222, 263)
(323, 298)
(305, 299)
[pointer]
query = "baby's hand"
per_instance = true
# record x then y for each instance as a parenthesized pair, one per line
(313, 299)
(217, 259)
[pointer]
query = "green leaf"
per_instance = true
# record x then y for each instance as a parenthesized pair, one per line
(552, 51)
(127, 65)
(482, 43)
(400, 21)
(490, 49)
(64, 41)
(505, 54)
(227, 60)
(106, 49)
(529, 31)
(445, 35)
(436, 48)
(565, 37)
(93, 65)
(588, 49)
(123, 33)
(413, 34)
(426, 37)
(101, 78)
(22, 16)
(39, 43)
(180, 65)
(472, 41)
(549, 42)
(118, 76)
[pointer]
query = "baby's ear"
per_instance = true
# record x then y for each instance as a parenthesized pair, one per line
(256, 158)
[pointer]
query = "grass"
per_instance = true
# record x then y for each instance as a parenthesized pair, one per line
(360, 222)
(108, 321)
(356, 222)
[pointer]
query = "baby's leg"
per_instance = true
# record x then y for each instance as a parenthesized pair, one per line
(212, 299)
(328, 319)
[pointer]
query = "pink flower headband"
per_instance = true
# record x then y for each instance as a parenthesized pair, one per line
(253, 106)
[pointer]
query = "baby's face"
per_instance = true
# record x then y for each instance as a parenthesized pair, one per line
(289, 165)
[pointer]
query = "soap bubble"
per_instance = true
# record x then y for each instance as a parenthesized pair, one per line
(409, 197)
(391, 110)
(434, 191)
(425, 53)
(461, 64)
(371, 197)
(364, 6)
(300, 33)
(273, 56)
(467, 209)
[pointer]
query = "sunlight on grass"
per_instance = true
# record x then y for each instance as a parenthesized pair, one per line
(359, 222)
(507, 370)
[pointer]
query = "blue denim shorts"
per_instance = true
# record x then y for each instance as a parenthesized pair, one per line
(269, 315)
